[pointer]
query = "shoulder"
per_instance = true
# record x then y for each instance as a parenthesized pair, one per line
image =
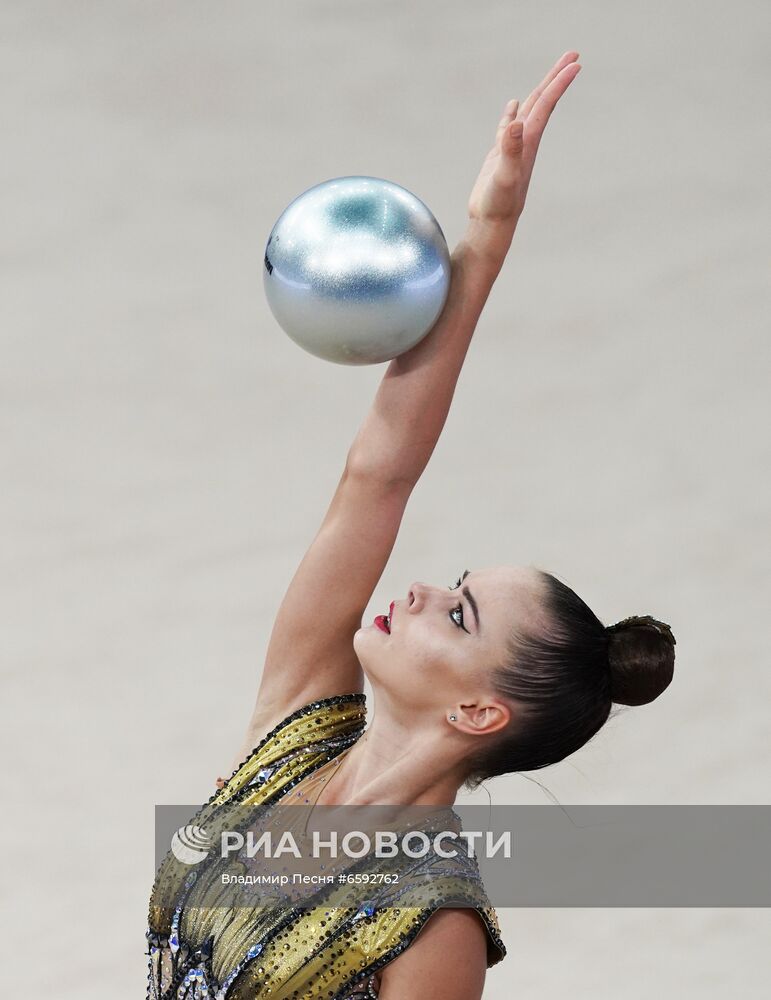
(448, 957)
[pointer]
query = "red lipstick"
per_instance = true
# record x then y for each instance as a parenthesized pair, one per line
(384, 622)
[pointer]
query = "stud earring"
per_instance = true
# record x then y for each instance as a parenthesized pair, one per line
(453, 718)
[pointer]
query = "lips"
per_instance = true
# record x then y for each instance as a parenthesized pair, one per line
(383, 622)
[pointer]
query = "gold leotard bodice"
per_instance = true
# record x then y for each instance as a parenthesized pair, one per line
(198, 950)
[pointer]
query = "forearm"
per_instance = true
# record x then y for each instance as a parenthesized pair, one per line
(400, 432)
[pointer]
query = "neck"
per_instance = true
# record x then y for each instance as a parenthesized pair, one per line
(398, 763)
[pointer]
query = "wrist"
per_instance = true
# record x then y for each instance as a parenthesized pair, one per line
(488, 243)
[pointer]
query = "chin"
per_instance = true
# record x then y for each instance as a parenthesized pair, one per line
(360, 639)
(365, 641)
(369, 633)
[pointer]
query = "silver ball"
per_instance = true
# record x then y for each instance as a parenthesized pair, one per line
(356, 270)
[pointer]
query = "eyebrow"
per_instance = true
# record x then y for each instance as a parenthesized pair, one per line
(467, 594)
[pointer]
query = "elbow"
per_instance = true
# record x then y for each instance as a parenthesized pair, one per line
(371, 469)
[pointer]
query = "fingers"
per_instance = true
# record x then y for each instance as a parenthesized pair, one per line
(509, 114)
(525, 124)
(508, 171)
(565, 60)
(512, 141)
(546, 102)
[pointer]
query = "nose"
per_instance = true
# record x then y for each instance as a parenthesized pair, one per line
(416, 596)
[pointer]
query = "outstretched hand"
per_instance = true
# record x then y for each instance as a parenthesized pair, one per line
(498, 196)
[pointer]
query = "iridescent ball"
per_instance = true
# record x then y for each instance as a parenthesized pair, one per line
(357, 270)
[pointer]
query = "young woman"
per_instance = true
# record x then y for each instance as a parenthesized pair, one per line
(506, 671)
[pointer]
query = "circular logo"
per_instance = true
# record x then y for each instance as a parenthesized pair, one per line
(191, 844)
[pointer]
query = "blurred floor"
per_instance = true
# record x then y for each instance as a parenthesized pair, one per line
(167, 453)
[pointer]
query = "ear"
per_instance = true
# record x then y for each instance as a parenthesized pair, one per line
(482, 718)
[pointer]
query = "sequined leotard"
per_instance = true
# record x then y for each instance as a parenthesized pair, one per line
(198, 950)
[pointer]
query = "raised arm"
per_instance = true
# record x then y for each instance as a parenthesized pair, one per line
(310, 654)
(412, 403)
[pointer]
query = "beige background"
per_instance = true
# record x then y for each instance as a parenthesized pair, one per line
(168, 453)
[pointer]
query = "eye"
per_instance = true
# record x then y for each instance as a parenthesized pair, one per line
(458, 609)
(458, 621)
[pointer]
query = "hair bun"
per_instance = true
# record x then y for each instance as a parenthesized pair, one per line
(641, 655)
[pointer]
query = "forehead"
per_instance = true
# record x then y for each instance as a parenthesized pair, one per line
(513, 578)
(508, 596)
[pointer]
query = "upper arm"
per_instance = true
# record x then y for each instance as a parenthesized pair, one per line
(310, 653)
(447, 960)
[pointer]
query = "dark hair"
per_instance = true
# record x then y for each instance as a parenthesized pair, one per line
(564, 680)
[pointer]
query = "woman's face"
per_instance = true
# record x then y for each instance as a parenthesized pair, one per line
(444, 644)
